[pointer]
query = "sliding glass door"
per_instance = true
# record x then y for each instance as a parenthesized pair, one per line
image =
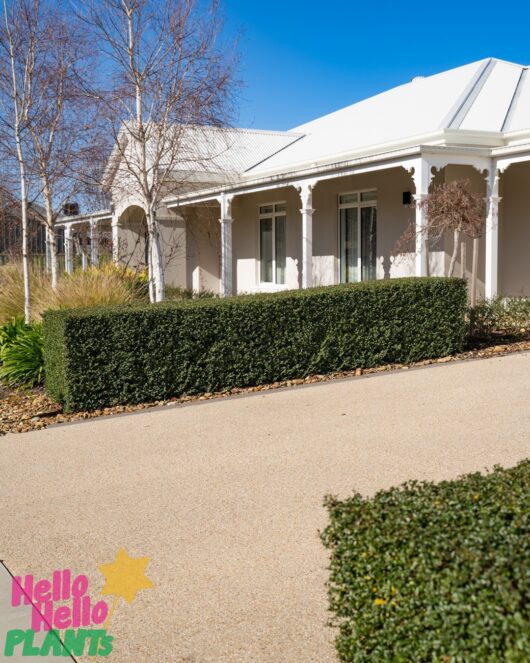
(358, 236)
(349, 244)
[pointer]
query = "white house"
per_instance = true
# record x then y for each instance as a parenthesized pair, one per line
(324, 202)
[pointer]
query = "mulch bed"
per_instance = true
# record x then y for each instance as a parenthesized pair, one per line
(25, 410)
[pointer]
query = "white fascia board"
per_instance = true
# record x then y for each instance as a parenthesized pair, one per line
(443, 137)
(202, 176)
(330, 171)
(517, 137)
(83, 218)
(513, 149)
(461, 144)
(465, 137)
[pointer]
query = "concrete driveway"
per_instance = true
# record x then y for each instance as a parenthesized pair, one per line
(225, 498)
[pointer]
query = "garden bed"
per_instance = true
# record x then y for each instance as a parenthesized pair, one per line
(32, 409)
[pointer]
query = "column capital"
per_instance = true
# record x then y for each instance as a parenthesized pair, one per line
(421, 173)
(225, 201)
(305, 191)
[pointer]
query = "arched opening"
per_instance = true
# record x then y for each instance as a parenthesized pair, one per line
(133, 239)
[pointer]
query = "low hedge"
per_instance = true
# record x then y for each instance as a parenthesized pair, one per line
(107, 356)
(434, 572)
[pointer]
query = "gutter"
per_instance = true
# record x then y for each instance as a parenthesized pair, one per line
(82, 218)
(332, 169)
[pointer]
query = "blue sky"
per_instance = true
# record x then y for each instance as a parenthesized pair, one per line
(300, 59)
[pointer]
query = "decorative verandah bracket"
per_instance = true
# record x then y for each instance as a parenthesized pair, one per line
(68, 249)
(305, 190)
(226, 220)
(491, 285)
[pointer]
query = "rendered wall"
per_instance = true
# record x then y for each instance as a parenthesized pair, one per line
(132, 244)
(392, 220)
(478, 184)
(514, 231)
(203, 246)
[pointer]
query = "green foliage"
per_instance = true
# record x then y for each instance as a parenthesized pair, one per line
(9, 331)
(175, 293)
(97, 357)
(21, 354)
(502, 315)
(434, 572)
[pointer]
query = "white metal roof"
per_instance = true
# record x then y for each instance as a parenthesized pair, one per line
(485, 104)
(487, 97)
(229, 151)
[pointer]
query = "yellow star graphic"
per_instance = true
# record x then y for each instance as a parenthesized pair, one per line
(125, 577)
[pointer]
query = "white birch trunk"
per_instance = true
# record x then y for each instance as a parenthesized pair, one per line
(463, 258)
(17, 114)
(155, 252)
(51, 238)
(455, 253)
(474, 272)
(25, 255)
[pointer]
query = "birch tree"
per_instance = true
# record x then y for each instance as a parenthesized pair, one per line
(19, 38)
(61, 122)
(169, 76)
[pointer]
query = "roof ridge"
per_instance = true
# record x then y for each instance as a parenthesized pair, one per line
(515, 98)
(459, 111)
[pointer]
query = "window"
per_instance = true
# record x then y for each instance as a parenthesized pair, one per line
(272, 242)
(358, 236)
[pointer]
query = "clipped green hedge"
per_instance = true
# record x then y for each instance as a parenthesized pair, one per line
(434, 572)
(98, 357)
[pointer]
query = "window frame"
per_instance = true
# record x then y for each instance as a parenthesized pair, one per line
(355, 205)
(271, 215)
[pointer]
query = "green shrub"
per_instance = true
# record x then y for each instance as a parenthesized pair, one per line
(176, 293)
(21, 354)
(434, 572)
(502, 315)
(131, 354)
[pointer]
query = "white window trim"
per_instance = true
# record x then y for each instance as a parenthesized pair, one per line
(271, 285)
(358, 204)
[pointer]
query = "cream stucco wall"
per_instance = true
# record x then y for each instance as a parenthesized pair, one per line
(478, 184)
(392, 220)
(132, 244)
(245, 229)
(203, 246)
(514, 231)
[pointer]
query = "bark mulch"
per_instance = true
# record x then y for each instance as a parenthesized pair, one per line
(25, 410)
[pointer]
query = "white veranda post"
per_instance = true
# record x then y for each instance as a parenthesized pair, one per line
(492, 233)
(115, 239)
(68, 249)
(306, 196)
(422, 177)
(94, 253)
(226, 221)
(83, 248)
